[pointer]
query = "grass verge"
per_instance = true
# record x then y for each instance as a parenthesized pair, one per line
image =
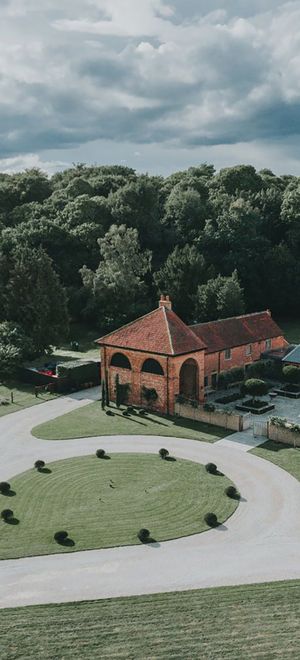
(23, 397)
(285, 457)
(104, 503)
(92, 421)
(257, 621)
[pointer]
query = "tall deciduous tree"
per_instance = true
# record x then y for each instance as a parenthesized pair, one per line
(31, 295)
(117, 291)
(221, 297)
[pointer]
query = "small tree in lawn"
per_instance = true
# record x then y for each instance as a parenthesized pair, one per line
(103, 395)
(255, 387)
(291, 374)
(39, 465)
(163, 453)
(118, 391)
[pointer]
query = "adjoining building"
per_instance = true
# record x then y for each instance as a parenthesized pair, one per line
(159, 357)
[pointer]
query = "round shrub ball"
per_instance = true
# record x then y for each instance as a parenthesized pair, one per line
(61, 536)
(211, 468)
(143, 534)
(163, 453)
(39, 465)
(232, 492)
(109, 413)
(7, 514)
(211, 519)
(100, 453)
(4, 487)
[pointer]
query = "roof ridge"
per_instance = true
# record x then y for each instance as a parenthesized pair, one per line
(230, 318)
(126, 325)
(186, 327)
(168, 330)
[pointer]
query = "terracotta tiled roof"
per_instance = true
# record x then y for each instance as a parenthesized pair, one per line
(237, 331)
(161, 332)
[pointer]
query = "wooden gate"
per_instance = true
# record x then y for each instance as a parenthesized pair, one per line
(261, 429)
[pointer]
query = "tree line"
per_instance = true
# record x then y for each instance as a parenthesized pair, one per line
(98, 245)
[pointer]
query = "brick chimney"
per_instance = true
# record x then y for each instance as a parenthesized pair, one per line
(165, 302)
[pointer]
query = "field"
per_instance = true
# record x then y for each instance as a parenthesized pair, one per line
(257, 621)
(285, 457)
(92, 421)
(23, 395)
(104, 503)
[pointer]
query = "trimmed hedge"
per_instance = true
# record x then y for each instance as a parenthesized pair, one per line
(4, 487)
(79, 372)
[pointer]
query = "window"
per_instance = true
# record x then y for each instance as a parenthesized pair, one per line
(120, 360)
(228, 354)
(248, 349)
(205, 381)
(151, 366)
(268, 344)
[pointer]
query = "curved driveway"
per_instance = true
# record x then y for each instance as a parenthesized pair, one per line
(260, 542)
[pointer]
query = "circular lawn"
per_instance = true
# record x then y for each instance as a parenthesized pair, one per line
(105, 502)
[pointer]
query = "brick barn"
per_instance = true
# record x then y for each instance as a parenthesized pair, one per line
(158, 356)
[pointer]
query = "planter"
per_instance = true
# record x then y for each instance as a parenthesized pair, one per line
(288, 394)
(254, 410)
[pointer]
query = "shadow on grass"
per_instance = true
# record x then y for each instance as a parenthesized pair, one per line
(171, 459)
(68, 543)
(200, 427)
(270, 445)
(152, 543)
(12, 521)
(128, 418)
(45, 470)
(10, 493)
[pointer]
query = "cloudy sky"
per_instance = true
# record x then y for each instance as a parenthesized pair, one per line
(154, 84)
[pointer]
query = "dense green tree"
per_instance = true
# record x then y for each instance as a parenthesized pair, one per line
(184, 270)
(221, 297)
(117, 291)
(15, 346)
(31, 296)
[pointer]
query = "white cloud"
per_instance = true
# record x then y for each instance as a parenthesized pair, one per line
(147, 71)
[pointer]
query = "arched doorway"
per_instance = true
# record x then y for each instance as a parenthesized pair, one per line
(189, 379)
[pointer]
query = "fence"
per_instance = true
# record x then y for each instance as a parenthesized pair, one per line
(285, 435)
(231, 421)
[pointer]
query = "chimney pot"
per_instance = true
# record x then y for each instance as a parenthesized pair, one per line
(165, 302)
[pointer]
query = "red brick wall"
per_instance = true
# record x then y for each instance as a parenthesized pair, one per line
(171, 365)
(216, 362)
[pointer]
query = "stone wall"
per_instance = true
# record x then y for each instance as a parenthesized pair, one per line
(233, 422)
(280, 434)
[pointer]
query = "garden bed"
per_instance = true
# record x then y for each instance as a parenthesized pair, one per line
(230, 398)
(255, 407)
(289, 391)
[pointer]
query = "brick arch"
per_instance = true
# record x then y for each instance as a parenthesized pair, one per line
(120, 360)
(151, 366)
(189, 379)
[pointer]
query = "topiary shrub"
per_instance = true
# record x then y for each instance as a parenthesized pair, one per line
(163, 453)
(291, 374)
(211, 519)
(144, 535)
(4, 487)
(60, 537)
(232, 492)
(211, 468)
(7, 514)
(255, 387)
(130, 410)
(100, 453)
(39, 465)
(109, 413)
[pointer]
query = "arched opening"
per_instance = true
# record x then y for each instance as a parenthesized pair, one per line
(151, 366)
(120, 360)
(189, 379)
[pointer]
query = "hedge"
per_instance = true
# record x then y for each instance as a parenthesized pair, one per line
(79, 372)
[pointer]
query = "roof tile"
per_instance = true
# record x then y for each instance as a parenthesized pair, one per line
(237, 331)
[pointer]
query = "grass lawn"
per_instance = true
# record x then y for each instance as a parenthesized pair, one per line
(86, 340)
(92, 420)
(257, 621)
(24, 397)
(104, 503)
(285, 457)
(291, 330)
